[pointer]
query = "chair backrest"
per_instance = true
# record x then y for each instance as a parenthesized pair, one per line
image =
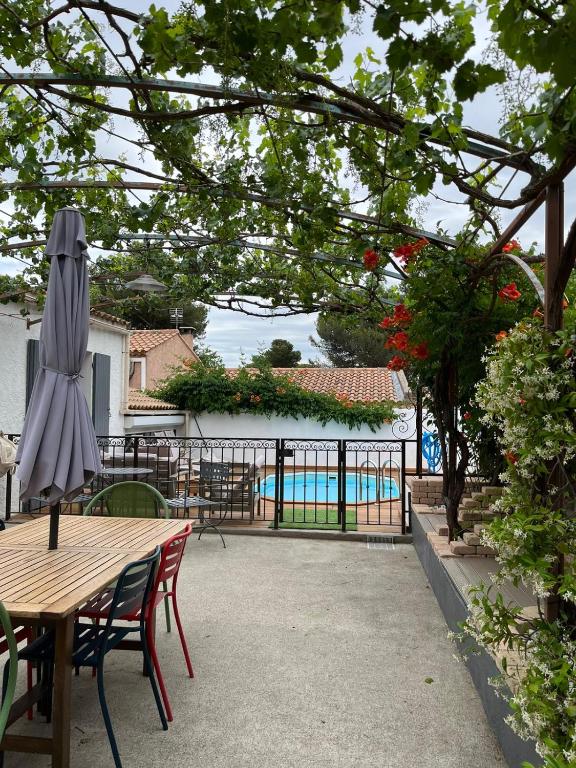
(133, 588)
(2, 525)
(130, 499)
(213, 470)
(6, 627)
(172, 551)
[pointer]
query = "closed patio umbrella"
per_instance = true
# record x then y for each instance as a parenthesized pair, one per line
(58, 453)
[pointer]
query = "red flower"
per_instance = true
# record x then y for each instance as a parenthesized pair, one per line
(467, 415)
(402, 316)
(521, 401)
(501, 335)
(509, 293)
(371, 259)
(513, 245)
(388, 322)
(420, 351)
(398, 341)
(255, 398)
(406, 251)
(511, 457)
(538, 313)
(397, 363)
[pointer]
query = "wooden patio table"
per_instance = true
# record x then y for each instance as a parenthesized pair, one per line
(43, 587)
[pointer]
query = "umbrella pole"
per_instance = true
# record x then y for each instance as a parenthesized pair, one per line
(54, 520)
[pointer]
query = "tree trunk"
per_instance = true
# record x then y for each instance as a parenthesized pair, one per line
(454, 446)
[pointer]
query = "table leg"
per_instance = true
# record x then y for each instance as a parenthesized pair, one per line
(62, 690)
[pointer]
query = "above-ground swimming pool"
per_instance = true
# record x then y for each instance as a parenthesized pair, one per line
(322, 487)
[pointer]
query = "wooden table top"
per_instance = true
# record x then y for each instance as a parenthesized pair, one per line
(36, 583)
(75, 531)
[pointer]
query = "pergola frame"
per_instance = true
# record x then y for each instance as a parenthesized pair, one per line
(335, 104)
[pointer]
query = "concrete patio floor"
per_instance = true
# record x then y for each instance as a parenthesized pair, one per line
(307, 654)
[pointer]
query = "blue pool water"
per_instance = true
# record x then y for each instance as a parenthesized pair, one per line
(322, 487)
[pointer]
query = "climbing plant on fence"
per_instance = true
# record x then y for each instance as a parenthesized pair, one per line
(211, 389)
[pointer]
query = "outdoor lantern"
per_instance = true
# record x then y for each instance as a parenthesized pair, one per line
(146, 283)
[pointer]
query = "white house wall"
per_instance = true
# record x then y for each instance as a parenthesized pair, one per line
(14, 336)
(253, 426)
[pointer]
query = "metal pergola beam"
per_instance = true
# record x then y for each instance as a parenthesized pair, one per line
(336, 109)
(153, 186)
(318, 256)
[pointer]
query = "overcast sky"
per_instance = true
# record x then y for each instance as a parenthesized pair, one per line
(234, 335)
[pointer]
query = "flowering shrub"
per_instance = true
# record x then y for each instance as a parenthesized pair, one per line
(529, 397)
(211, 388)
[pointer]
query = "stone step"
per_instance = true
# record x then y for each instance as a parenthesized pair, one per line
(471, 539)
(478, 528)
(481, 550)
(459, 548)
(492, 490)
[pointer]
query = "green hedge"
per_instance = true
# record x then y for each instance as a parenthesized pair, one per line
(211, 389)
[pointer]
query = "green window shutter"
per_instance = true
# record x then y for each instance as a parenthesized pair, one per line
(32, 366)
(101, 393)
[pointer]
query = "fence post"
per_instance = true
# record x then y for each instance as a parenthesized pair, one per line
(136, 444)
(403, 488)
(342, 484)
(419, 431)
(8, 500)
(278, 483)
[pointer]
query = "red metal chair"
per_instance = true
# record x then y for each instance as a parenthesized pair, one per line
(168, 569)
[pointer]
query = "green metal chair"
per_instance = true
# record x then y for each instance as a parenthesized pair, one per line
(130, 499)
(133, 499)
(10, 640)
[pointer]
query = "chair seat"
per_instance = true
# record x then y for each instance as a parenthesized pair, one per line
(86, 650)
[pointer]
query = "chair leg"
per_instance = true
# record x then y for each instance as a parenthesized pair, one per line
(167, 607)
(106, 715)
(181, 632)
(29, 683)
(154, 657)
(148, 665)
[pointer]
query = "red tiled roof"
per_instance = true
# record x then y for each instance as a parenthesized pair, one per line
(97, 313)
(367, 385)
(143, 341)
(138, 401)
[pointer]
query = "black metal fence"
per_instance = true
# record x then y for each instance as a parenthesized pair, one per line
(288, 483)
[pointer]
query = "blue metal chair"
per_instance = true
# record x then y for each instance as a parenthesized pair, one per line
(93, 641)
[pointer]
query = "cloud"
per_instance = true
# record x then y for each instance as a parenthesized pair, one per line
(234, 335)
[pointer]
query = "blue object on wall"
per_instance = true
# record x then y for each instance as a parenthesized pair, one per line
(431, 450)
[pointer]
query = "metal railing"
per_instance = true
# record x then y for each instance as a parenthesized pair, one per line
(288, 483)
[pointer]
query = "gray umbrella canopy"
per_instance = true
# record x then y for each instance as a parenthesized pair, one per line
(58, 454)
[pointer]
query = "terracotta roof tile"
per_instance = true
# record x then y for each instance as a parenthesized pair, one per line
(138, 401)
(109, 318)
(143, 341)
(367, 385)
